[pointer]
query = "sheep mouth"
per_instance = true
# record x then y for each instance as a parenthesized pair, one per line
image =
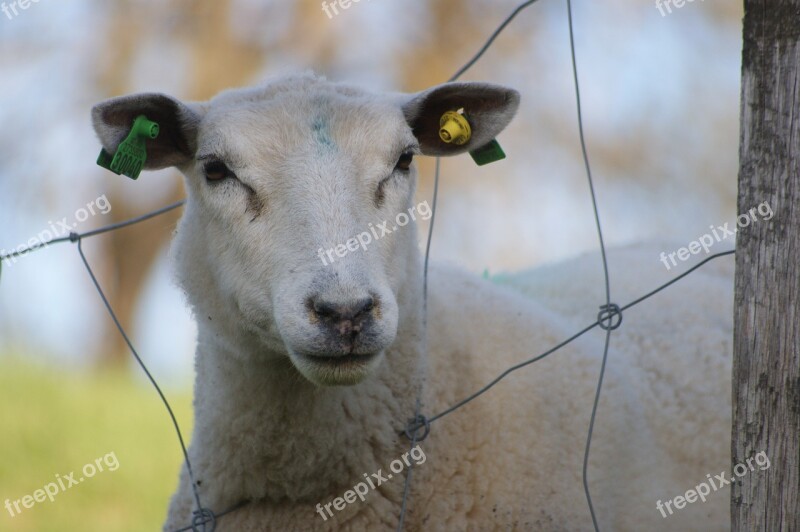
(336, 370)
(340, 360)
(341, 363)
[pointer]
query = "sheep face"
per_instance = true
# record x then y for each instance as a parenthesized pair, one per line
(290, 242)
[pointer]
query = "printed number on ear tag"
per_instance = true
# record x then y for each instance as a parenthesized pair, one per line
(131, 154)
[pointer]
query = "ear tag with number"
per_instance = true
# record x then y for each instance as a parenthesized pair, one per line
(454, 128)
(131, 154)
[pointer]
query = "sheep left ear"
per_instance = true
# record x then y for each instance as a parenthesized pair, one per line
(178, 122)
(487, 107)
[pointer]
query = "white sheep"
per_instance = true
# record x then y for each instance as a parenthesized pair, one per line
(308, 364)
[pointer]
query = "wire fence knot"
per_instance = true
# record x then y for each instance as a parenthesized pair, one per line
(609, 317)
(204, 520)
(416, 423)
(74, 237)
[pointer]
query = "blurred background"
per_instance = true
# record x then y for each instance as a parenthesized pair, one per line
(660, 106)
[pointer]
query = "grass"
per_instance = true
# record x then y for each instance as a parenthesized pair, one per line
(53, 422)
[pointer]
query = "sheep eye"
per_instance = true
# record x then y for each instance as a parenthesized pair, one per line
(217, 171)
(404, 162)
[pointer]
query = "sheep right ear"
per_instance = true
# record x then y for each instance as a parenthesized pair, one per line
(176, 143)
(489, 108)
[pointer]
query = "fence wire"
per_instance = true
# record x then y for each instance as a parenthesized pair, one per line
(609, 318)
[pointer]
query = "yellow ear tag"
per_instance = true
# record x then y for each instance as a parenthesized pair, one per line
(454, 128)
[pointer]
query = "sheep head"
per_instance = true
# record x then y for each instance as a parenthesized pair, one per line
(282, 243)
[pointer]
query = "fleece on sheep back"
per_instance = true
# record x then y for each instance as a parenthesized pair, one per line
(663, 422)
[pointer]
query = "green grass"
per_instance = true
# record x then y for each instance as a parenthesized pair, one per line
(55, 421)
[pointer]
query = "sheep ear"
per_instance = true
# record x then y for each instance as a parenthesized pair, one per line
(488, 108)
(177, 140)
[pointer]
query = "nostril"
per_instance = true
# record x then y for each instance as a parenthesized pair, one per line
(324, 309)
(357, 310)
(365, 305)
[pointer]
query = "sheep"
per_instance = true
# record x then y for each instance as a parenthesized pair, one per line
(308, 370)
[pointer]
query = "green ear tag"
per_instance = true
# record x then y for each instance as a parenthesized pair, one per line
(488, 153)
(131, 154)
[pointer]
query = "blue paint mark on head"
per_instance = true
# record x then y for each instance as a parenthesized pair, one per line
(320, 125)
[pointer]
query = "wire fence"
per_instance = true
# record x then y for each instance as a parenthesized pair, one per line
(418, 427)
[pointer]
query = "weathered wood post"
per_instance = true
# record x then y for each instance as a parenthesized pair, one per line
(766, 365)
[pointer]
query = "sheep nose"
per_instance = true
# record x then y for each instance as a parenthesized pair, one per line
(345, 317)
